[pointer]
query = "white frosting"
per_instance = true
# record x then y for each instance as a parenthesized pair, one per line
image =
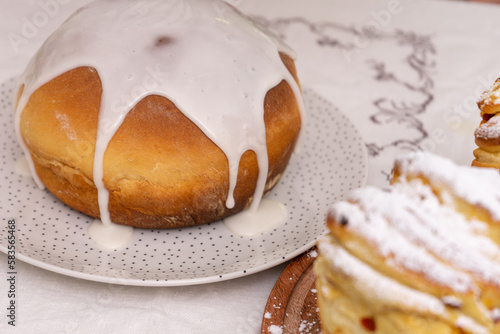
(21, 167)
(269, 215)
(192, 51)
(111, 236)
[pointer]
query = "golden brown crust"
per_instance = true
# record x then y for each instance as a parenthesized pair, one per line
(160, 169)
(486, 135)
(487, 157)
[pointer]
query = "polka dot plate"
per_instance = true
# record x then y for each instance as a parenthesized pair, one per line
(51, 235)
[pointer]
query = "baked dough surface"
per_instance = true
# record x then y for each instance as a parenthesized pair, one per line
(160, 169)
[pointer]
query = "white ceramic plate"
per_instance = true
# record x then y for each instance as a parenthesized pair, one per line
(53, 236)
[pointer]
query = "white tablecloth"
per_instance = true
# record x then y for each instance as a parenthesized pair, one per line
(407, 74)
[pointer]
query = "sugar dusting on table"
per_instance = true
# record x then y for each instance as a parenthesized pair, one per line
(273, 329)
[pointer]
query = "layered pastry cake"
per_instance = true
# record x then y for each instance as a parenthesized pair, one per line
(159, 114)
(420, 256)
(487, 135)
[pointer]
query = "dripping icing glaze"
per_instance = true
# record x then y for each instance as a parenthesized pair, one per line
(110, 237)
(171, 49)
(268, 216)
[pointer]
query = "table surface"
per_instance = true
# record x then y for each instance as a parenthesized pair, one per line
(405, 74)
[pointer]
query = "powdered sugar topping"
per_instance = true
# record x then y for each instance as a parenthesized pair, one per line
(468, 183)
(489, 130)
(377, 286)
(385, 222)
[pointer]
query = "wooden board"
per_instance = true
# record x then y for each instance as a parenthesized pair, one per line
(292, 304)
